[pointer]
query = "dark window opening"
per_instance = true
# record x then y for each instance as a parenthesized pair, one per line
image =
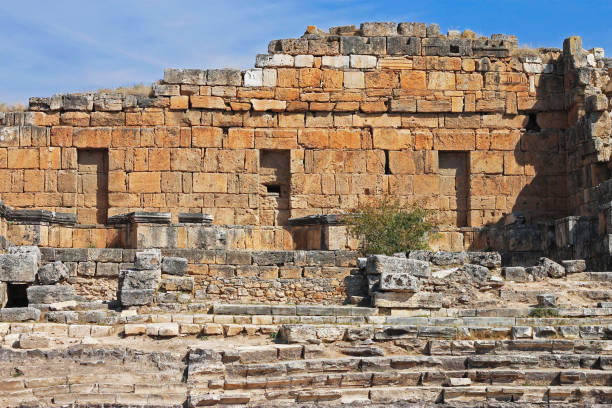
(273, 189)
(17, 295)
(387, 168)
(454, 49)
(532, 124)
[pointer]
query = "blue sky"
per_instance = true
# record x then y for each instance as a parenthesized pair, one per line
(57, 46)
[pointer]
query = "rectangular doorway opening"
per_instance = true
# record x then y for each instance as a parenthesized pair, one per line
(92, 186)
(16, 294)
(275, 180)
(454, 186)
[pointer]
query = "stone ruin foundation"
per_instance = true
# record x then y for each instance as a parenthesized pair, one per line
(188, 249)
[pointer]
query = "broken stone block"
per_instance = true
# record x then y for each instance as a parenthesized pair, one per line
(330, 334)
(477, 272)
(399, 282)
(378, 29)
(412, 29)
(458, 382)
(33, 341)
(174, 265)
(551, 268)
(19, 314)
(47, 294)
(377, 264)
(149, 259)
(136, 297)
(522, 332)
(359, 333)
(182, 284)
(444, 258)
(537, 272)
(299, 333)
(363, 351)
(420, 255)
(52, 273)
(515, 273)
(488, 259)
(547, 300)
(139, 279)
(542, 332)
(574, 265)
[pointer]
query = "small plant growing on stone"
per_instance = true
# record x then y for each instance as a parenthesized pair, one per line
(16, 372)
(386, 226)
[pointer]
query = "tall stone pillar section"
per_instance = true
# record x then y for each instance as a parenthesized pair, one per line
(137, 286)
(588, 139)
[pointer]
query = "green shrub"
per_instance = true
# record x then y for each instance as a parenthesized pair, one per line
(385, 226)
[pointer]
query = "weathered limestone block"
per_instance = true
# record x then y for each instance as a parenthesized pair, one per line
(136, 297)
(378, 29)
(522, 332)
(148, 259)
(574, 265)
(444, 258)
(19, 314)
(377, 264)
(547, 300)
(488, 259)
(299, 333)
(204, 362)
(419, 300)
(185, 76)
(400, 45)
(399, 282)
(597, 103)
(412, 29)
(362, 45)
(33, 341)
(359, 333)
(174, 265)
(551, 268)
(143, 279)
(183, 284)
(52, 273)
(47, 294)
(515, 273)
(477, 272)
(20, 264)
(537, 272)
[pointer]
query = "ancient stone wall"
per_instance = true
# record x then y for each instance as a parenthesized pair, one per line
(472, 126)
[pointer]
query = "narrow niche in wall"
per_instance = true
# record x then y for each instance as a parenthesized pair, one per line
(275, 178)
(454, 186)
(92, 186)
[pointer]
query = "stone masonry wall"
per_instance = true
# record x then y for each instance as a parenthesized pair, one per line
(300, 277)
(356, 114)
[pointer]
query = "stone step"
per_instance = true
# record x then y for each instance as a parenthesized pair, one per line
(415, 378)
(421, 395)
(167, 399)
(408, 363)
(553, 346)
(292, 310)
